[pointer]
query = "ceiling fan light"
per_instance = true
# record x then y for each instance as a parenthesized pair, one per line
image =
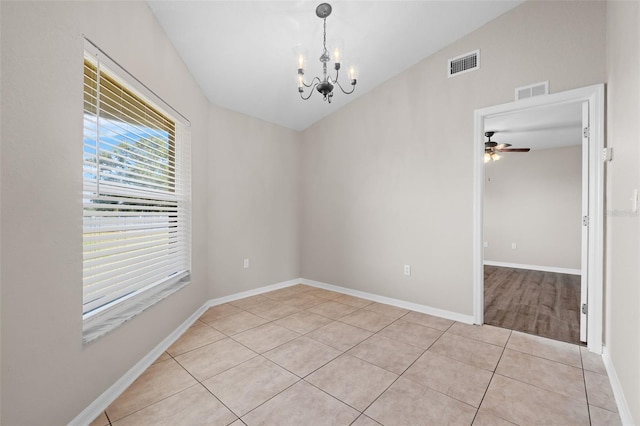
(495, 157)
(487, 157)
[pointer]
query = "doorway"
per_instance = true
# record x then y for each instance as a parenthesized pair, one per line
(587, 104)
(532, 221)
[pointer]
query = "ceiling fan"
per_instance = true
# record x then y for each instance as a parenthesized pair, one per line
(491, 148)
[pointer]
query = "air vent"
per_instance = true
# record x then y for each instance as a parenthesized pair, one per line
(464, 63)
(532, 90)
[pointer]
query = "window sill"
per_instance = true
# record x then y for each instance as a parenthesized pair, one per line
(104, 322)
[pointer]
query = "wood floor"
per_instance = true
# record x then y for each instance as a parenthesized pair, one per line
(542, 303)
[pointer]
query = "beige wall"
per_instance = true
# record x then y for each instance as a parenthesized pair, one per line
(388, 179)
(244, 203)
(534, 200)
(622, 280)
(253, 203)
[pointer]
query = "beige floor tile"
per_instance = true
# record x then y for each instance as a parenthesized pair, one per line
(408, 403)
(602, 417)
(214, 358)
(237, 323)
(592, 362)
(456, 379)
(265, 337)
(411, 333)
(474, 352)
(356, 302)
(543, 373)
(599, 391)
(157, 382)
(219, 311)
(365, 421)
(303, 300)
(325, 294)
(483, 418)
(554, 350)
(388, 310)
(367, 320)
(352, 380)
(301, 404)
(428, 320)
(302, 356)
(196, 336)
(165, 356)
(101, 420)
(193, 406)
(339, 335)
(387, 353)
(333, 310)
(250, 302)
(303, 322)
(237, 423)
(249, 384)
(485, 333)
(525, 404)
(282, 293)
(273, 310)
(302, 288)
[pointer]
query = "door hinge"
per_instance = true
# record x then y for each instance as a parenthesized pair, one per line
(584, 308)
(585, 220)
(585, 132)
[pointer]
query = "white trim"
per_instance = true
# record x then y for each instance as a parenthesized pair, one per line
(114, 391)
(621, 401)
(534, 267)
(255, 291)
(455, 316)
(595, 96)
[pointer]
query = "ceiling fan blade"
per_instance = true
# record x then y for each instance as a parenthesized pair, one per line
(503, 146)
(514, 150)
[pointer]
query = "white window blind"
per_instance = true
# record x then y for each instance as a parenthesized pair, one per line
(136, 195)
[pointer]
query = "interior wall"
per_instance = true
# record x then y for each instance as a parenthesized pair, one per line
(388, 179)
(534, 199)
(253, 203)
(48, 376)
(622, 250)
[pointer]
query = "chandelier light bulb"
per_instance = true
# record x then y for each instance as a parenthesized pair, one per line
(336, 55)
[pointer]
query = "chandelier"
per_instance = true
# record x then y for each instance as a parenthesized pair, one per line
(326, 84)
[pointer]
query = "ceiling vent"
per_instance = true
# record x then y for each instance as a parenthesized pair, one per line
(464, 63)
(532, 90)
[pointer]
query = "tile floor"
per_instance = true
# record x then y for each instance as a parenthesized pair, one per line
(307, 356)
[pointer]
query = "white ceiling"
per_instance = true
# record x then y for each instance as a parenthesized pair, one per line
(539, 128)
(241, 53)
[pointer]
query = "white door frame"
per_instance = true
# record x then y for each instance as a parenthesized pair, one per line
(596, 98)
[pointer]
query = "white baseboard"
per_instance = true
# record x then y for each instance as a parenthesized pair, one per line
(110, 395)
(621, 401)
(103, 401)
(454, 316)
(255, 291)
(534, 267)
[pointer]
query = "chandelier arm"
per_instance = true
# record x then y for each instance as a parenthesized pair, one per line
(310, 92)
(312, 84)
(344, 91)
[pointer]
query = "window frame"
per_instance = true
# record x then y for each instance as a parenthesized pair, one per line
(172, 183)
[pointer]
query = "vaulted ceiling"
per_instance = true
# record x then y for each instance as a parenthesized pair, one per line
(242, 53)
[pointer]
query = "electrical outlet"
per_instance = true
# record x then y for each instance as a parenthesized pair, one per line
(514, 246)
(407, 270)
(246, 264)
(486, 244)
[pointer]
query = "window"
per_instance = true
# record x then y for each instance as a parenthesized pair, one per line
(136, 176)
